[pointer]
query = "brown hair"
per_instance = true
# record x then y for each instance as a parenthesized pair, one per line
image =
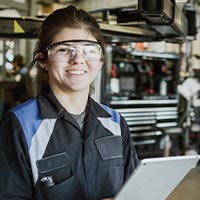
(19, 60)
(69, 17)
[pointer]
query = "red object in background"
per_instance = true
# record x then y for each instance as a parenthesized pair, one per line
(114, 71)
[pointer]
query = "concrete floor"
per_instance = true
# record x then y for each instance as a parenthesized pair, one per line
(189, 188)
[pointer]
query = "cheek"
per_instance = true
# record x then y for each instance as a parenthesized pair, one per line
(95, 66)
(55, 66)
(54, 70)
(95, 71)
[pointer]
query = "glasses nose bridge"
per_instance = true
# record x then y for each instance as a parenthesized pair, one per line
(74, 52)
(77, 48)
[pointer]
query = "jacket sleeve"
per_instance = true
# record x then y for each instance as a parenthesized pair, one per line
(129, 153)
(15, 171)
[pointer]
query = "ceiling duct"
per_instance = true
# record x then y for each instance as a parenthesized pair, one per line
(165, 17)
(145, 20)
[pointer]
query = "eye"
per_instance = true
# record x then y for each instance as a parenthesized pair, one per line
(91, 50)
(61, 49)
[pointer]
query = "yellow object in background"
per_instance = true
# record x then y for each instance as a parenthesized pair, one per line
(18, 28)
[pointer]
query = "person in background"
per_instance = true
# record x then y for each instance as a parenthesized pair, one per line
(62, 144)
(19, 69)
(18, 65)
(19, 73)
(15, 92)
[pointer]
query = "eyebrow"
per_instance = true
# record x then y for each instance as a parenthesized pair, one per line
(61, 42)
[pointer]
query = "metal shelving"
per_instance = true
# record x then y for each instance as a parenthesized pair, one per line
(147, 115)
(19, 27)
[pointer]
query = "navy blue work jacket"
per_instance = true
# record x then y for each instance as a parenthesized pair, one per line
(45, 155)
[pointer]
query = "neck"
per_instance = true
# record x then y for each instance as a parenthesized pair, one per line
(73, 102)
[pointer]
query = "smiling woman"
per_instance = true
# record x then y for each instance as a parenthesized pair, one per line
(47, 47)
(73, 61)
(62, 144)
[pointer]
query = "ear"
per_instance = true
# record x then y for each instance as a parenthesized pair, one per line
(101, 64)
(43, 65)
(40, 57)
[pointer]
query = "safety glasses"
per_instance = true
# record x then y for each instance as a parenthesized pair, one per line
(65, 51)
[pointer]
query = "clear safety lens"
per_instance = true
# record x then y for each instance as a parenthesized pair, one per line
(66, 52)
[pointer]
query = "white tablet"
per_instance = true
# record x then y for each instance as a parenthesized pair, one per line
(156, 178)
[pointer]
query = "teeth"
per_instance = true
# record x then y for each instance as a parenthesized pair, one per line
(77, 72)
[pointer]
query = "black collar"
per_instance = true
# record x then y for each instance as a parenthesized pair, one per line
(51, 108)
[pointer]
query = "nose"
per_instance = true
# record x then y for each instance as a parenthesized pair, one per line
(76, 57)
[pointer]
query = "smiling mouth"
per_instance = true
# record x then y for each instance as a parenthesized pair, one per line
(76, 72)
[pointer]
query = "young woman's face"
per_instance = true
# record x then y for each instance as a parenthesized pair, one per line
(73, 65)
